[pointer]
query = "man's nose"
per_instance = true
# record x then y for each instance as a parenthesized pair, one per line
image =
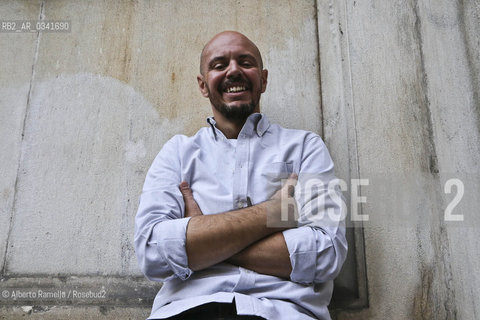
(233, 69)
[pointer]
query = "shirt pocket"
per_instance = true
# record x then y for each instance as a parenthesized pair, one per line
(279, 168)
(273, 173)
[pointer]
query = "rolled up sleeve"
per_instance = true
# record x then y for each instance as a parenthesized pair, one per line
(160, 228)
(318, 247)
(314, 255)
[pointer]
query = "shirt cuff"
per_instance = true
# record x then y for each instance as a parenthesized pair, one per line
(301, 244)
(170, 236)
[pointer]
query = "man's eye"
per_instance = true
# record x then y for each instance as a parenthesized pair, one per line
(218, 66)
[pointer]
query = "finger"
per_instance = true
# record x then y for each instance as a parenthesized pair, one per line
(291, 180)
(185, 190)
(289, 186)
(191, 206)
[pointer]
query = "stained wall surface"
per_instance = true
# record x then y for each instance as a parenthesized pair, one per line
(400, 80)
(392, 86)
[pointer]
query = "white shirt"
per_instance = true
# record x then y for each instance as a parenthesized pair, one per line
(225, 176)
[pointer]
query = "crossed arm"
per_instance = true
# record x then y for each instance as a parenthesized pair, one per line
(240, 237)
(171, 242)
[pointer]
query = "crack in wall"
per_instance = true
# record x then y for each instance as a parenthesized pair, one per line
(41, 17)
(315, 18)
(423, 309)
(432, 294)
(433, 160)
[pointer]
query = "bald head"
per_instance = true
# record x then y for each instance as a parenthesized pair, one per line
(232, 77)
(225, 37)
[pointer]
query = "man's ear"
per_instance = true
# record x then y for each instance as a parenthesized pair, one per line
(264, 80)
(202, 85)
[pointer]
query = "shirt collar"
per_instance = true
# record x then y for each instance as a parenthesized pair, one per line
(256, 122)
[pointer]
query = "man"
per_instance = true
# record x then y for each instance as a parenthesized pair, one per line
(214, 222)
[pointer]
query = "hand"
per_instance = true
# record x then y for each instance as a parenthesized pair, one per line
(282, 211)
(191, 207)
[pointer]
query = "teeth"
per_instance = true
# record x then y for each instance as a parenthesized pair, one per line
(235, 89)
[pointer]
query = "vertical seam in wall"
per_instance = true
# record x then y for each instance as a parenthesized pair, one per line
(41, 16)
(125, 242)
(441, 249)
(351, 98)
(433, 164)
(317, 34)
(355, 149)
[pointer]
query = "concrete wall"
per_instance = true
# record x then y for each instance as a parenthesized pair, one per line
(400, 85)
(393, 86)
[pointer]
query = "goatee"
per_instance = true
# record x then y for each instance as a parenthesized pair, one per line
(238, 113)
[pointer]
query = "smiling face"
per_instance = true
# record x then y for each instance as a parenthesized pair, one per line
(232, 75)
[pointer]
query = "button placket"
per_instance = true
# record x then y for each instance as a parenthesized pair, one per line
(241, 172)
(244, 169)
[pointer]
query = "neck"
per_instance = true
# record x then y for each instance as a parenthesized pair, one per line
(230, 128)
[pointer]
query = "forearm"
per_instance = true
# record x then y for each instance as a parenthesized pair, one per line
(267, 256)
(211, 239)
